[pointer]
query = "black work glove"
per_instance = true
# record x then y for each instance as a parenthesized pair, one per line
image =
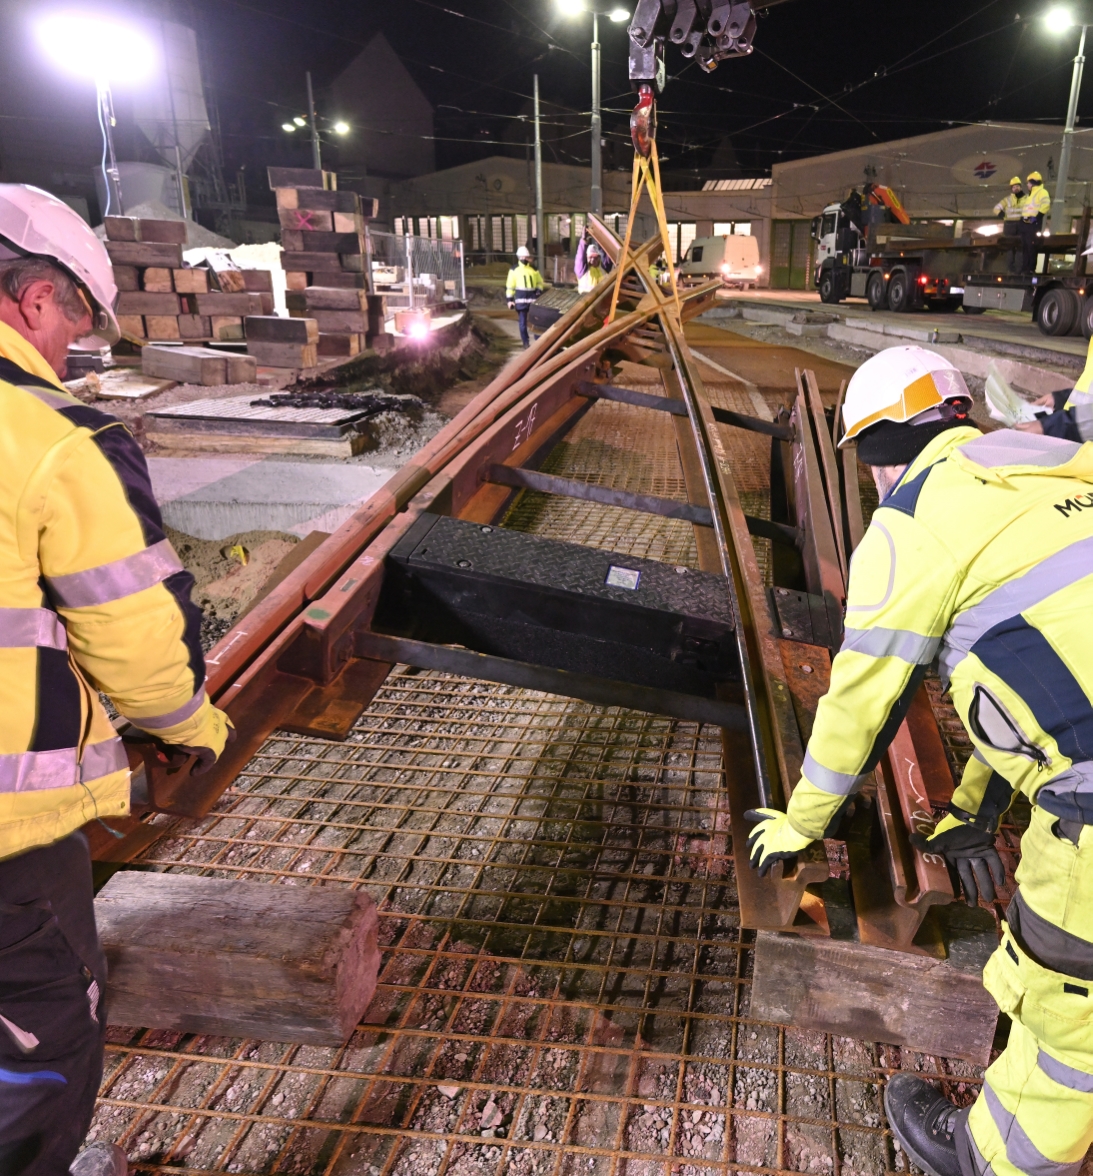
(970, 853)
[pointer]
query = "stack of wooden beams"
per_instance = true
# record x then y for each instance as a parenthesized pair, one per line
(284, 342)
(161, 300)
(324, 233)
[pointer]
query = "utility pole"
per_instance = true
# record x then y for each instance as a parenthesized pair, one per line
(597, 127)
(540, 227)
(316, 158)
(1059, 220)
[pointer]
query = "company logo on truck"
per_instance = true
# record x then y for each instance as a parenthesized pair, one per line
(984, 170)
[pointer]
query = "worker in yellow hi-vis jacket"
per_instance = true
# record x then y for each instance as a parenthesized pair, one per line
(1033, 214)
(92, 598)
(980, 555)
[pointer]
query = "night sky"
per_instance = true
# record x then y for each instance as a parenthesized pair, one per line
(824, 76)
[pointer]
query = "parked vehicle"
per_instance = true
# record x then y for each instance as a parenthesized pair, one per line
(735, 257)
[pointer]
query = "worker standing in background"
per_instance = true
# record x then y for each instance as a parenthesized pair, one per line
(590, 265)
(92, 598)
(1033, 214)
(523, 286)
(981, 556)
(1011, 209)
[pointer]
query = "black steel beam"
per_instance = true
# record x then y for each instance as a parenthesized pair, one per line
(668, 508)
(601, 691)
(723, 416)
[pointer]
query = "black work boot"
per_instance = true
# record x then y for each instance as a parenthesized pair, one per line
(926, 1124)
(100, 1159)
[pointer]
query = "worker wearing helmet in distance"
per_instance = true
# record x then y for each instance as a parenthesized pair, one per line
(1011, 208)
(523, 286)
(1033, 213)
(590, 265)
(980, 555)
(92, 599)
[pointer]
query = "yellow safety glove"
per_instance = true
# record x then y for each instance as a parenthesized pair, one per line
(215, 733)
(774, 839)
(970, 855)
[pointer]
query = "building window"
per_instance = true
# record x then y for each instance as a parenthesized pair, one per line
(687, 233)
(521, 231)
(722, 228)
(742, 228)
(732, 228)
(400, 226)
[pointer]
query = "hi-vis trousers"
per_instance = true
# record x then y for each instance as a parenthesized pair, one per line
(1034, 1116)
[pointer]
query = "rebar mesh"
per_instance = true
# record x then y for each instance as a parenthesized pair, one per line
(565, 983)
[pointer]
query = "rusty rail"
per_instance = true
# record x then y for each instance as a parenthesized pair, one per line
(307, 658)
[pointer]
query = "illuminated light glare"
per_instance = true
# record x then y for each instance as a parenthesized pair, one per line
(103, 50)
(758, 269)
(341, 128)
(1058, 20)
(300, 122)
(419, 329)
(571, 7)
(290, 127)
(989, 230)
(618, 15)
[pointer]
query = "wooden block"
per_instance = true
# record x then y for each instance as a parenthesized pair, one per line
(158, 280)
(191, 281)
(873, 994)
(126, 278)
(142, 253)
(242, 369)
(273, 329)
(376, 305)
(296, 280)
(341, 320)
(321, 201)
(162, 326)
(227, 328)
(222, 304)
(141, 302)
(188, 365)
(333, 298)
(300, 177)
(293, 259)
(296, 241)
(195, 326)
(286, 355)
(370, 207)
(238, 959)
(380, 341)
(164, 232)
(131, 325)
(269, 305)
(353, 262)
(308, 220)
(121, 228)
(257, 281)
(349, 344)
(339, 279)
(348, 222)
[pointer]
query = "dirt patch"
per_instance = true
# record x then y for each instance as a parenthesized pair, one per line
(223, 583)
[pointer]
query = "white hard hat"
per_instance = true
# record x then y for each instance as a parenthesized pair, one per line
(35, 224)
(899, 384)
(523, 253)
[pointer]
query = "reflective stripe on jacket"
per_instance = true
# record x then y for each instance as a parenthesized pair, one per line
(590, 279)
(982, 556)
(92, 597)
(1037, 203)
(524, 284)
(1010, 207)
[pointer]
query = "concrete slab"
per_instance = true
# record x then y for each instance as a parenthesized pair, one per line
(212, 498)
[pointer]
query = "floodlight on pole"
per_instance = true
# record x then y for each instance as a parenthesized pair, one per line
(104, 52)
(290, 127)
(340, 128)
(572, 7)
(1060, 20)
(618, 15)
(300, 122)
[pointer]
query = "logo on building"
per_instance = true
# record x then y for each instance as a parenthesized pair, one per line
(984, 170)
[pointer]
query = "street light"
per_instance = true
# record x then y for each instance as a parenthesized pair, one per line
(340, 128)
(104, 51)
(1060, 20)
(617, 15)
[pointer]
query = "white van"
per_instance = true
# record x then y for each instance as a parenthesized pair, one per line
(734, 257)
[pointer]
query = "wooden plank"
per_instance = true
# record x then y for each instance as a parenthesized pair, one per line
(198, 365)
(227, 328)
(829, 465)
(141, 253)
(328, 201)
(195, 326)
(237, 959)
(163, 232)
(872, 994)
(121, 228)
(329, 321)
(227, 304)
(257, 281)
(327, 298)
(312, 261)
(158, 280)
(296, 241)
(163, 327)
(273, 329)
(142, 302)
(191, 281)
(306, 220)
(126, 278)
(286, 355)
(301, 177)
(348, 344)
